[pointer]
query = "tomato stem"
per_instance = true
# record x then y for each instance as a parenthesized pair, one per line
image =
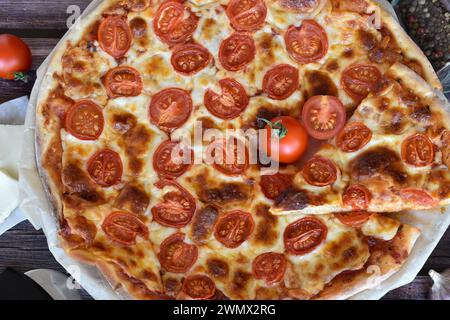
(21, 76)
(279, 130)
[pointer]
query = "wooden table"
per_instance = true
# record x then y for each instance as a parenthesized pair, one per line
(41, 23)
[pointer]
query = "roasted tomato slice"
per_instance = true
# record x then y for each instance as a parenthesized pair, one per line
(174, 23)
(302, 6)
(164, 163)
(353, 219)
(323, 116)
(177, 206)
(418, 197)
(138, 5)
(307, 43)
(84, 120)
(273, 185)
(353, 137)
(237, 51)
(199, 287)
(319, 172)
(170, 109)
(359, 80)
(105, 168)
(281, 81)
(123, 82)
(177, 256)
(123, 228)
(188, 59)
(247, 15)
(233, 228)
(418, 150)
(304, 235)
(356, 196)
(228, 156)
(231, 103)
(269, 267)
(114, 36)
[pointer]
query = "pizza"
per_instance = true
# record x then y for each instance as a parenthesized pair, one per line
(136, 79)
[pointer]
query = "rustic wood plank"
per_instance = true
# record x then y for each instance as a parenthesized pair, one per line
(37, 14)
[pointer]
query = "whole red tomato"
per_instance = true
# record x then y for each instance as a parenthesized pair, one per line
(15, 56)
(288, 136)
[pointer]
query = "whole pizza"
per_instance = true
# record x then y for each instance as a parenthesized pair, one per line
(136, 79)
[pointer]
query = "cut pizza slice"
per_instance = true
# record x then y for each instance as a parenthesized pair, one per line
(392, 155)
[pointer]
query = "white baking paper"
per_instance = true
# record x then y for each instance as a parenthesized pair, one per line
(36, 206)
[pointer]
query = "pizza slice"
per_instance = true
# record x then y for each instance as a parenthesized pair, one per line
(392, 155)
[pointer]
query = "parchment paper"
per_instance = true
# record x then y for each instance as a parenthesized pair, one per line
(36, 207)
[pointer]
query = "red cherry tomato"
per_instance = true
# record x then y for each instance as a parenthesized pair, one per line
(292, 139)
(281, 81)
(323, 117)
(353, 219)
(123, 82)
(84, 120)
(353, 137)
(418, 150)
(304, 235)
(199, 287)
(15, 56)
(233, 228)
(231, 103)
(237, 51)
(188, 59)
(359, 80)
(177, 256)
(270, 267)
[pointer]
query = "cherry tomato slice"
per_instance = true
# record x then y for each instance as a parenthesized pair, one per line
(177, 206)
(233, 228)
(323, 116)
(167, 167)
(281, 81)
(15, 56)
(359, 80)
(123, 82)
(177, 256)
(233, 159)
(289, 148)
(170, 109)
(123, 228)
(307, 43)
(114, 36)
(199, 287)
(302, 6)
(353, 137)
(84, 120)
(353, 219)
(174, 23)
(138, 5)
(418, 197)
(105, 168)
(188, 59)
(247, 15)
(273, 185)
(231, 103)
(269, 267)
(304, 235)
(356, 196)
(319, 172)
(418, 150)
(237, 51)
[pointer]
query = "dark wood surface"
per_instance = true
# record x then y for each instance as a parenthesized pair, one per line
(41, 23)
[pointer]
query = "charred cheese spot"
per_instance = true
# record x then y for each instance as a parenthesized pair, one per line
(265, 113)
(172, 286)
(378, 163)
(332, 66)
(136, 143)
(445, 140)
(123, 122)
(393, 121)
(240, 281)
(318, 83)
(203, 223)
(292, 199)
(265, 232)
(158, 67)
(217, 268)
(133, 198)
(79, 190)
(348, 53)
